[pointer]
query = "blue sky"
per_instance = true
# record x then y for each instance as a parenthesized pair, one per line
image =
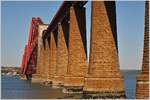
(16, 17)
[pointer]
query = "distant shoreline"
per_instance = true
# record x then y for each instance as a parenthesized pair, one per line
(9, 71)
(12, 71)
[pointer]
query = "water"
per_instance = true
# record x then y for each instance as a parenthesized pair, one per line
(130, 83)
(14, 88)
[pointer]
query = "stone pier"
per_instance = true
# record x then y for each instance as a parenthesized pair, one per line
(104, 79)
(37, 76)
(53, 52)
(62, 54)
(42, 61)
(47, 62)
(142, 85)
(44, 77)
(77, 58)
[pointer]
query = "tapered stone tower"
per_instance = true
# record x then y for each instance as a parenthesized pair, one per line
(53, 52)
(77, 59)
(37, 76)
(142, 86)
(42, 61)
(62, 54)
(104, 79)
(47, 61)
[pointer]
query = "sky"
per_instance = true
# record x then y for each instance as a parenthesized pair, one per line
(16, 17)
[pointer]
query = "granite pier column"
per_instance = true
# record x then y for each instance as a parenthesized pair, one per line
(104, 78)
(77, 58)
(37, 76)
(53, 52)
(62, 55)
(47, 81)
(142, 85)
(42, 61)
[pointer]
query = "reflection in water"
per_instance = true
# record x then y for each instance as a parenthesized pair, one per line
(14, 88)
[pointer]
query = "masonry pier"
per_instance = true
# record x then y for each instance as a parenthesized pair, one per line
(37, 78)
(104, 79)
(142, 85)
(77, 60)
(62, 54)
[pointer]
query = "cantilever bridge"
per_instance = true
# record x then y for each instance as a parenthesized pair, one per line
(29, 60)
(56, 53)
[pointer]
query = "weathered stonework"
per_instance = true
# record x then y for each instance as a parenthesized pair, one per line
(42, 63)
(47, 62)
(37, 77)
(42, 59)
(62, 57)
(104, 79)
(52, 66)
(77, 63)
(142, 86)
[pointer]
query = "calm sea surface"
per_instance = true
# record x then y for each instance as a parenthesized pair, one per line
(14, 88)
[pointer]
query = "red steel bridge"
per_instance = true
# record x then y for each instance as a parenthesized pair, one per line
(29, 59)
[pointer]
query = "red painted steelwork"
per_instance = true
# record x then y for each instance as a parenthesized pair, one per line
(23, 60)
(30, 55)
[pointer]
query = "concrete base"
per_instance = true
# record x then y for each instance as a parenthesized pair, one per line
(108, 87)
(23, 78)
(58, 81)
(47, 82)
(73, 84)
(104, 95)
(57, 86)
(73, 89)
(36, 79)
(142, 86)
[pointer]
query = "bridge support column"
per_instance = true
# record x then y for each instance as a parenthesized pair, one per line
(142, 85)
(77, 63)
(46, 79)
(62, 55)
(42, 61)
(104, 79)
(53, 52)
(37, 78)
